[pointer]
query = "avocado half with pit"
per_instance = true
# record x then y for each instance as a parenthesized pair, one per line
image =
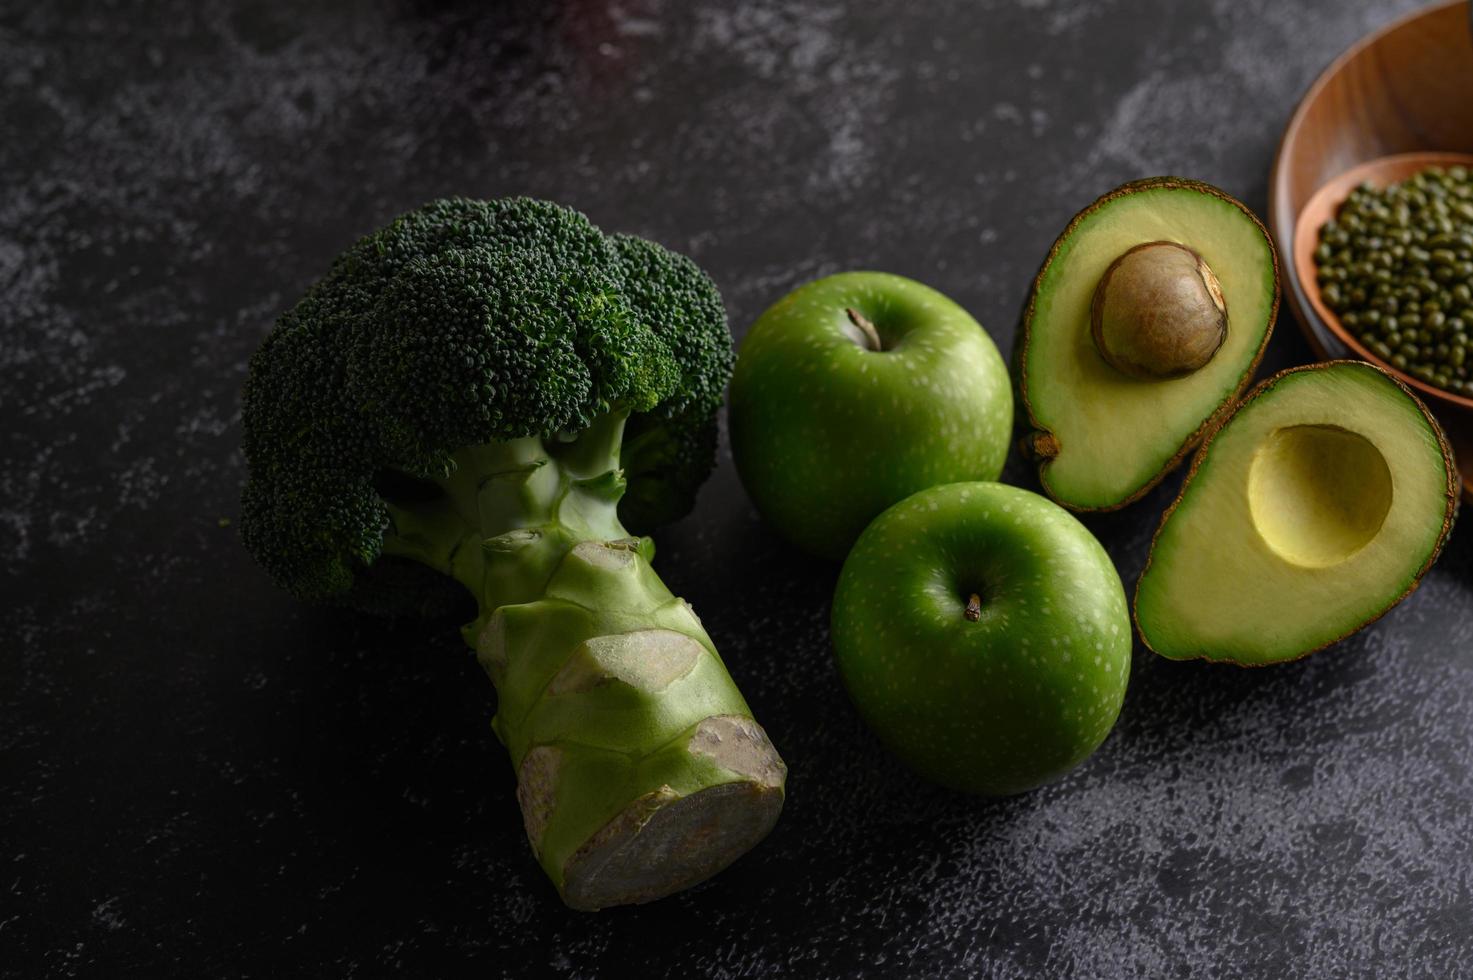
(1316, 507)
(1142, 328)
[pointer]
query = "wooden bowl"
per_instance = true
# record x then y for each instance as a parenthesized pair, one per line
(1399, 99)
(1320, 208)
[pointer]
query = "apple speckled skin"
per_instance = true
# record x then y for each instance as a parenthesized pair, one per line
(827, 432)
(1018, 697)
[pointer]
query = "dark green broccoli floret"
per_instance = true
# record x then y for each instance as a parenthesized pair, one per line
(669, 449)
(464, 323)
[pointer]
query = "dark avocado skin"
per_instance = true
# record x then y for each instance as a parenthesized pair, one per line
(1026, 424)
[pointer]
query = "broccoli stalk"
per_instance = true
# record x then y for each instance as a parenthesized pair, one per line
(390, 419)
(640, 769)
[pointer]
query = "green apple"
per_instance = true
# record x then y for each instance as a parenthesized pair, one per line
(983, 634)
(857, 390)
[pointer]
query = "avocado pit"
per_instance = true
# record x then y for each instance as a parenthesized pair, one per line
(1158, 312)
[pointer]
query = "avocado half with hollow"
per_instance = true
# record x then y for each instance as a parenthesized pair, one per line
(1316, 507)
(1143, 326)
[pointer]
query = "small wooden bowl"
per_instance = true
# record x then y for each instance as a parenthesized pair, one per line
(1398, 100)
(1321, 207)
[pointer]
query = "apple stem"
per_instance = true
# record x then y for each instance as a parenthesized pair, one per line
(974, 608)
(871, 335)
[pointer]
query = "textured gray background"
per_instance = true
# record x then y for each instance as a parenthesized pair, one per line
(200, 778)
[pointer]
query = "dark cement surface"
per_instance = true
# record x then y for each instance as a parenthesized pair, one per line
(201, 778)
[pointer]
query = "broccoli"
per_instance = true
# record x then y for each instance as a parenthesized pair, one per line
(477, 399)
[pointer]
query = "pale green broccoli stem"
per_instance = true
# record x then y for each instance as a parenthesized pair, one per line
(640, 770)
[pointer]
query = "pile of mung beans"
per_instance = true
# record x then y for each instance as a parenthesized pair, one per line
(1396, 266)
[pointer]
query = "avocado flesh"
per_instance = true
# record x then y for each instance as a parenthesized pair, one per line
(1315, 508)
(1118, 435)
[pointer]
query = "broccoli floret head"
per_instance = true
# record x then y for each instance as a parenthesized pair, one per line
(462, 323)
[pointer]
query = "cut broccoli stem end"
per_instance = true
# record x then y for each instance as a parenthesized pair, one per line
(640, 770)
